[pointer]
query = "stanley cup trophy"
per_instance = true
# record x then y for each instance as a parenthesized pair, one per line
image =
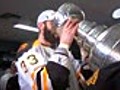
(102, 42)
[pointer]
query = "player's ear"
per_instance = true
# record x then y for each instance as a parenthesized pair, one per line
(41, 26)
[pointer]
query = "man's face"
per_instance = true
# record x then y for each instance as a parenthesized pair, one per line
(50, 26)
(50, 31)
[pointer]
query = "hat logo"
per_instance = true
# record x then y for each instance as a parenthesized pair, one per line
(47, 17)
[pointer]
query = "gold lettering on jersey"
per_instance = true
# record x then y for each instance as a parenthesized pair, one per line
(32, 59)
(92, 80)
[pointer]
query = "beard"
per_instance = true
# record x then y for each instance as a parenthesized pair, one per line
(50, 37)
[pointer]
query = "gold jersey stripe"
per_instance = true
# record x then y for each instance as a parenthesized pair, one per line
(92, 80)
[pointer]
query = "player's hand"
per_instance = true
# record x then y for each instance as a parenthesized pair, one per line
(68, 32)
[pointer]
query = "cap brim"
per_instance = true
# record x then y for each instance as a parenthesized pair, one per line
(60, 18)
